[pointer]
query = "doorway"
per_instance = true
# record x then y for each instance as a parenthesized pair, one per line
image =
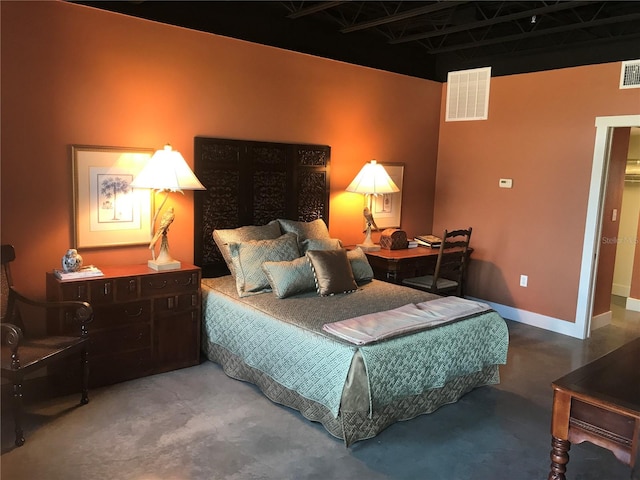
(619, 223)
(593, 224)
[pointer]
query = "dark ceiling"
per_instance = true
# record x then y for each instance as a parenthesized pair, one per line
(421, 39)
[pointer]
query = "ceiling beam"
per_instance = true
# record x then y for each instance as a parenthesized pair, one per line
(492, 21)
(538, 33)
(318, 7)
(401, 16)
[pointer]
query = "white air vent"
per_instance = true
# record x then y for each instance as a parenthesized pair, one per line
(468, 94)
(630, 74)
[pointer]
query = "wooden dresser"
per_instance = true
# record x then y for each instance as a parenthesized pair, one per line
(145, 321)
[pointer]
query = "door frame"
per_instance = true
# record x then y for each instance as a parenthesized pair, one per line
(593, 224)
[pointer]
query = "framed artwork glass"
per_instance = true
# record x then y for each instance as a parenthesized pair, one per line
(388, 207)
(107, 211)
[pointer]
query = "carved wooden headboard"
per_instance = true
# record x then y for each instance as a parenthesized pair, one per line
(252, 183)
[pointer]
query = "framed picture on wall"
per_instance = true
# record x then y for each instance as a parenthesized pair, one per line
(388, 207)
(107, 211)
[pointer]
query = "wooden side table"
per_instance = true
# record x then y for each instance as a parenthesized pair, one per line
(599, 403)
(395, 265)
(145, 321)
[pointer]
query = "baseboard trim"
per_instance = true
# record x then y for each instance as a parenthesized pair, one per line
(536, 319)
(601, 320)
(620, 290)
(633, 304)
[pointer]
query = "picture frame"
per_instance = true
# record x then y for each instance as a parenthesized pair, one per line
(107, 212)
(387, 208)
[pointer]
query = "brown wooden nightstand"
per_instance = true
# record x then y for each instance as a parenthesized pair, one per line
(145, 321)
(395, 265)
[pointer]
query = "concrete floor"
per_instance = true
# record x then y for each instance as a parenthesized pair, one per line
(197, 423)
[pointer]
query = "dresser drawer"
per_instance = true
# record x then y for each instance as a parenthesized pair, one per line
(170, 283)
(127, 288)
(176, 303)
(97, 291)
(131, 337)
(118, 314)
(109, 369)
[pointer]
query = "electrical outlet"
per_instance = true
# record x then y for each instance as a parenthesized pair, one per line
(524, 279)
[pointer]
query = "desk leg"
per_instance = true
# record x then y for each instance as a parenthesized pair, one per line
(559, 458)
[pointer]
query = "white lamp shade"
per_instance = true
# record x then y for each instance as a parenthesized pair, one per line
(167, 170)
(373, 179)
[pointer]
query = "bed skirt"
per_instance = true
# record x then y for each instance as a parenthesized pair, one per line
(353, 426)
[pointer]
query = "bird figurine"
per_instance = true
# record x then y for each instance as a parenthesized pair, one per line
(369, 217)
(72, 261)
(167, 219)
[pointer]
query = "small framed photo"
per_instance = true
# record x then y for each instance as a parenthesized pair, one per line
(107, 211)
(388, 207)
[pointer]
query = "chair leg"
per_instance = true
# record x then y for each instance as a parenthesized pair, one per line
(17, 412)
(84, 359)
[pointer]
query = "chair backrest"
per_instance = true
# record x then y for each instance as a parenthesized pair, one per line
(452, 257)
(8, 312)
(7, 255)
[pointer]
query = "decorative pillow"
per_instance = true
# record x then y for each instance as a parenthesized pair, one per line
(223, 237)
(319, 244)
(314, 229)
(362, 271)
(248, 257)
(331, 271)
(289, 278)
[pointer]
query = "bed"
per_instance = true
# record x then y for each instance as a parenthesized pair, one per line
(279, 282)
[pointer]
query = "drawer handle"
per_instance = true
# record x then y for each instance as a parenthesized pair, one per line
(107, 288)
(164, 284)
(137, 314)
(132, 286)
(81, 291)
(172, 302)
(183, 284)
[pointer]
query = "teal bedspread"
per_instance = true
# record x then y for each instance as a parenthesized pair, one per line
(283, 338)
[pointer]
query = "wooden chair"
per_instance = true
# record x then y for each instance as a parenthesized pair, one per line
(449, 274)
(22, 354)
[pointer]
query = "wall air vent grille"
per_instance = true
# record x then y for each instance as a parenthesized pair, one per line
(630, 74)
(468, 94)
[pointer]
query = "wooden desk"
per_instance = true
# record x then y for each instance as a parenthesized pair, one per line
(396, 265)
(599, 403)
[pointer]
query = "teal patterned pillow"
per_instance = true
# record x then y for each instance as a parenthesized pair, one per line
(314, 229)
(248, 257)
(223, 237)
(362, 271)
(289, 278)
(320, 244)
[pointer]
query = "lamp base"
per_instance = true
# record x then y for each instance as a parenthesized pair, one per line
(368, 247)
(161, 266)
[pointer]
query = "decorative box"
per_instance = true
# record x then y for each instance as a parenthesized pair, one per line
(393, 239)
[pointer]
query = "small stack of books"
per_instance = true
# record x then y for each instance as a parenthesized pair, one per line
(84, 272)
(428, 240)
(412, 244)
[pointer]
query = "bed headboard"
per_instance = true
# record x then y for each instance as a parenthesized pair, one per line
(251, 183)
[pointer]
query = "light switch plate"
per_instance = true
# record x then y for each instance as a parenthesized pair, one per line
(506, 183)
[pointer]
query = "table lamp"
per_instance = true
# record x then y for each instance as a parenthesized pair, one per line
(372, 180)
(166, 172)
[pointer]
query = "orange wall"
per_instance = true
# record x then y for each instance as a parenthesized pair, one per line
(76, 75)
(540, 133)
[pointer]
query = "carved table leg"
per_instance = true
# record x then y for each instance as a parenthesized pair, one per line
(17, 412)
(85, 378)
(559, 458)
